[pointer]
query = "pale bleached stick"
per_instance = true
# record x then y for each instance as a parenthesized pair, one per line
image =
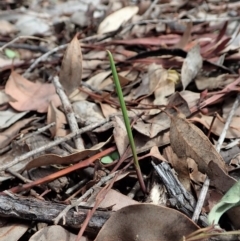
(69, 113)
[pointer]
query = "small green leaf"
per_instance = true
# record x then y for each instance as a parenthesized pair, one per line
(114, 155)
(11, 54)
(229, 200)
(106, 160)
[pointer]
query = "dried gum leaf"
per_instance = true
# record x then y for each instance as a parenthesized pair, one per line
(71, 69)
(189, 141)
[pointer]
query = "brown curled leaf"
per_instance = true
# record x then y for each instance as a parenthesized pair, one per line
(71, 69)
(187, 140)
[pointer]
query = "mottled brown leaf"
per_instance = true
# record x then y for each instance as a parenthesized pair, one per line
(191, 66)
(71, 69)
(187, 140)
(146, 222)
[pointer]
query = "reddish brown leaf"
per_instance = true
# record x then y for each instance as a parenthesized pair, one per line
(113, 21)
(29, 95)
(169, 39)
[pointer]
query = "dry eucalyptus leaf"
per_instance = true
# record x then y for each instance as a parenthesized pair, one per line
(227, 107)
(71, 69)
(13, 231)
(180, 166)
(45, 159)
(218, 125)
(57, 116)
(113, 21)
(146, 222)
(113, 199)
(187, 140)
(120, 135)
(9, 134)
(96, 80)
(195, 175)
(54, 233)
(186, 37)
(154, 152)
(191, 66)
(87, 112)
(30, 95)
(190, 97)
(161, 121)
(212, 83)
(107, 109)
(49, 159)
(4, 98)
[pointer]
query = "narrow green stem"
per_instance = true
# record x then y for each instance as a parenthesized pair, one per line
(126, 120)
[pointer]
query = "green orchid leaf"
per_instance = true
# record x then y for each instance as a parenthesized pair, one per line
(123, 108)
(229, 200)
(115, 155)
(11, 54)
(126, 120)
(106, 160)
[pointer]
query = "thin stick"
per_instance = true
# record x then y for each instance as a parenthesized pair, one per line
(21, 37)
(201, 199)
(50, 145)
(43, 57)
(227, 124)
(84, 196)
(69, 113)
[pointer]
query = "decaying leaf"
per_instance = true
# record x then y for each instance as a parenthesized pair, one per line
(186, 36)
(113, 199)
(115, 20)
(87, 112)
(195, 175)
(29, 95)
(57, 116)
(12, 230)
(45, 160)
(211, 83)
(145, 222)
(180, 166)
(120, 135)
(54, 232)
(9, 134)
(71, 70)
(190, 97)
(9, 116)
(187, 140)
(227, 106)
(218, 125)
(191, 66)
(161, 121)
(4, 98)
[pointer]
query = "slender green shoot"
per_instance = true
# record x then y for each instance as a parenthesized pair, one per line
(126, 120)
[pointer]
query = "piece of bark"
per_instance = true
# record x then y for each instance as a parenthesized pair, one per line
(35, 210)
